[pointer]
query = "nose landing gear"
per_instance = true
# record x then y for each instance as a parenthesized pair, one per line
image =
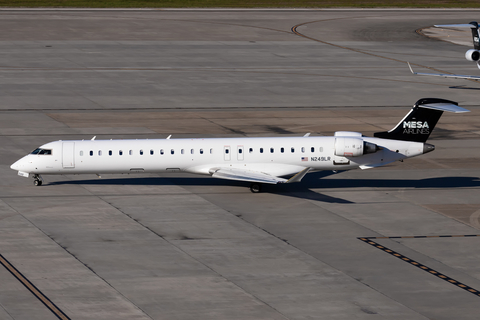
(37, 180)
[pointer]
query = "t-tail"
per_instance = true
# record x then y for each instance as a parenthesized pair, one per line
(472, 54)
(418, 124)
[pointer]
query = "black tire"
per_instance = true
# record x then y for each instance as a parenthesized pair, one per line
(37, 182)
(255, 187)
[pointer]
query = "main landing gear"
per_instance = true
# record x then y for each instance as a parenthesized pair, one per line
(255, 187)
(37, 180)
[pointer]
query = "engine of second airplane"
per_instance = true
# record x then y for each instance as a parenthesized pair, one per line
(472, 55)
(353, 147)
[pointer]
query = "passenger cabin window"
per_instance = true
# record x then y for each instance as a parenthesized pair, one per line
(261, 150)
(293, 149)
(321, 149)
(271, 150)
(211, 151)
(42, 151)
(110, 152)
(303, 149)
(201, 151)
(91, 152)
(182, 151)
(151, 152)
(282, 149)
(120, 152)
(250, 150)
(240, 150)
(191, 151)
(130, 152)
(81, 153)
(99, 152)
(312, 149)
(172, 151)
(227, 150)
(141, 152)
(161, 152)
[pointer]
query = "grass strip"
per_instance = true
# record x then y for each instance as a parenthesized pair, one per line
(239, 4)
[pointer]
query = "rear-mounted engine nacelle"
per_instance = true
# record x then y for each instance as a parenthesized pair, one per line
(353, 147)
(472, 55)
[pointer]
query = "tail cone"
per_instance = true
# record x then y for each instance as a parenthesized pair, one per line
(428, 148)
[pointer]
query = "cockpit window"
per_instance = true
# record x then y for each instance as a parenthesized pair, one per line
(42, 151)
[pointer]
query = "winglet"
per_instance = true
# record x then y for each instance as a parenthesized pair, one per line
(169, 137)
(93, 138)
(307, 134)
(411, 68)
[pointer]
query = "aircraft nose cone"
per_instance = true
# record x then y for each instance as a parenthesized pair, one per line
(15, 166)
(428, 148)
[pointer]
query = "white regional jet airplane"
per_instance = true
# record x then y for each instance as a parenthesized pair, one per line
(470, 55)
(255, 160)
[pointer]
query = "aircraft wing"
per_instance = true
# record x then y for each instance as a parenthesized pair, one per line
(445, 75)
(245, 175)
(254, 176)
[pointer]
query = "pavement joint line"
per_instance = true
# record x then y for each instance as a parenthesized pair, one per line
(33, 289)
(211, 268)
(429, 270)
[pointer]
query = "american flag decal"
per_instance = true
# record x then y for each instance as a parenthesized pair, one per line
(304, 158)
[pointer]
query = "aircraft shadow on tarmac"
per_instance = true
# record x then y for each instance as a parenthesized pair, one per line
(315, 180)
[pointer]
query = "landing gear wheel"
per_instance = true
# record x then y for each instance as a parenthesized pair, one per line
(255, 187)
(37, 180)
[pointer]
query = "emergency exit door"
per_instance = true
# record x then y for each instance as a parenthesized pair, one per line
(240, 153)
(226, 153)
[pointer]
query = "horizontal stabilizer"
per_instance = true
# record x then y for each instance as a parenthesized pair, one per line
(245, 175)
(461, 25)
(450, 107)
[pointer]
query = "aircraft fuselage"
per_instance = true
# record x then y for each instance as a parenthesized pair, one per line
(274, 156)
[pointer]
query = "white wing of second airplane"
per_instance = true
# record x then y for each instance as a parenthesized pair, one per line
(445, 75)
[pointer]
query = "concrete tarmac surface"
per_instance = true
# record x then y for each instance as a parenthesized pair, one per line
(397, 242)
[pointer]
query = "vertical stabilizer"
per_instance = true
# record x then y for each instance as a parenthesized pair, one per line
(418, 124)
(475, 35)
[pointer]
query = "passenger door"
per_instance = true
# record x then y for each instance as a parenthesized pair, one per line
(68, 155)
